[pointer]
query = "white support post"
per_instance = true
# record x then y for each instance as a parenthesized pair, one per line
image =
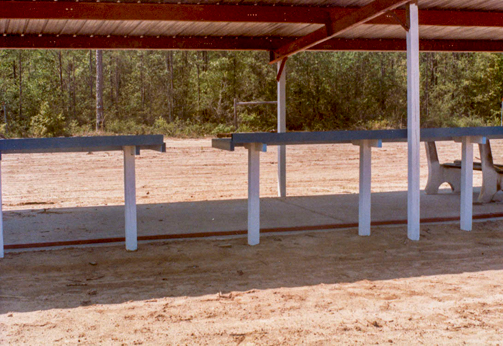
(281, 128)
(130, 198)
(1, 213)
(413, 122)
(466, 210)
(364, 204)
(365, 184)
(466, 184)
(254, 193)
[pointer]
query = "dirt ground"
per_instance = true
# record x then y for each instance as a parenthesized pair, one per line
(313, 288)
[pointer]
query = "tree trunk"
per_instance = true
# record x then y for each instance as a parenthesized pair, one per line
(20, 55)
(100, 117)
(198, 87)
(73, 89)
(117, 79)
(91, 81)
(170, 87)
(142, 84)
(61, 82)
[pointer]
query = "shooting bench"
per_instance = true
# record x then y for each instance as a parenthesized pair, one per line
(492, 174)
(130, 145)
(257, 142)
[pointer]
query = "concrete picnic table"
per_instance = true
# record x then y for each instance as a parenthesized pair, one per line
(130, 145)
(257, 142)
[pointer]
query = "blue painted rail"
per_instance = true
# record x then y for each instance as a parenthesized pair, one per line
(80, 144)
(326, 137)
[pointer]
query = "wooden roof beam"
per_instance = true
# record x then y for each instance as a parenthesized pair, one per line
(340, 25)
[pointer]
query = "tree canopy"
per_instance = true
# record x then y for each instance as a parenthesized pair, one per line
(52, 93)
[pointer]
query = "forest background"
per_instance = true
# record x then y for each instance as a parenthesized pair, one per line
(182, 93)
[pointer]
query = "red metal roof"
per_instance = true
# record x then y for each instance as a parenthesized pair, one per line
(452, 25)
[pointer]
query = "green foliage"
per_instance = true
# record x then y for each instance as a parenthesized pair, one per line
(3, 132)
(47, 123)
(182, 93)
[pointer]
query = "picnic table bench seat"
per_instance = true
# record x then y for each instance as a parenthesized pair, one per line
(477, 166)
(450, 172)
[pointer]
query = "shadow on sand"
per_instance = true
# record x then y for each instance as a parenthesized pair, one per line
(70, 278)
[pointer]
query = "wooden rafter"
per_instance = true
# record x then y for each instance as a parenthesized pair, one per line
(340, 25)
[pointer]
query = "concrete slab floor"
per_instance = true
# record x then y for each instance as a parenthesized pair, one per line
(52, 225)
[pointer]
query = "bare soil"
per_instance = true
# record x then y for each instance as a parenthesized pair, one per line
(313, 287)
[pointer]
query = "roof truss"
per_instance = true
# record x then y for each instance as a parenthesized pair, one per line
(336, 27)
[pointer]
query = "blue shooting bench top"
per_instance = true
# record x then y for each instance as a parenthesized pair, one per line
(326, 137)
(86, 144)
(81, 144)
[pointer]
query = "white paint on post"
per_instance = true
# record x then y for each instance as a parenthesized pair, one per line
(413, 122)
(130, 198)
(281, 128)
(253, 194)
(365, 195)
(466, 184)
(365, 184)
(1, 214)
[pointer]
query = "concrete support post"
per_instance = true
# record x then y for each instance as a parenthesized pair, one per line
(466, 208)
(364, 204)
(364, 197)
(130, 198)
(253, 194)
(466, 184)
(281, 128)
(413, 122)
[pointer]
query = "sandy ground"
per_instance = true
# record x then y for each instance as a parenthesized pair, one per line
(312, 288)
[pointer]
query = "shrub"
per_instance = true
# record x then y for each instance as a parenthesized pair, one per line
(47, 123)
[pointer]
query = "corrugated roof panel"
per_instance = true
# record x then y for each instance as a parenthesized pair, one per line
(127, 27)
(490, 5)
(72, 27)
(170, 28)
(3, 25)
(143, 28)
(369, 31)
(54, 27)
(155, 29)
(16, 26)
(36, 26)
(94, 27)
(255, 29)
(426, 32)
(453, 33)
(486, 5)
